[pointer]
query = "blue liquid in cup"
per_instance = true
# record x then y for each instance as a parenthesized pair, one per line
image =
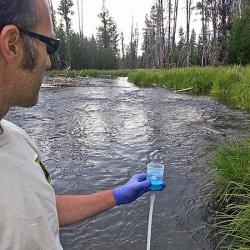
(155, 176)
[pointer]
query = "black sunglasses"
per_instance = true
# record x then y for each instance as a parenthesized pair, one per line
(52, 44)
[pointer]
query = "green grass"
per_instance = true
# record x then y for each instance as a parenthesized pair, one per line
(241, 96)
(232, 164)
(230, 85)
(200, 79)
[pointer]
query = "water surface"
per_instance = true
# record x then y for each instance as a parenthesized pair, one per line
(97, 136)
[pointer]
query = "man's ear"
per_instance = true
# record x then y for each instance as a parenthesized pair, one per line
(9, 42)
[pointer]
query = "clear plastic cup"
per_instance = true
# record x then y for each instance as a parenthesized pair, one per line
(155, 173)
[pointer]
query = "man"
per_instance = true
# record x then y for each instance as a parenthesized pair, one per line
(30, 211)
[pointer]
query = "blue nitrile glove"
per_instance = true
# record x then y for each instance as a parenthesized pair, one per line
(132, 190)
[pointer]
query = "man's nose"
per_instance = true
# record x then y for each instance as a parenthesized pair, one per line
(48, 63)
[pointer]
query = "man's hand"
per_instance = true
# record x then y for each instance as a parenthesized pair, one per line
(132, 190)
(74, 208)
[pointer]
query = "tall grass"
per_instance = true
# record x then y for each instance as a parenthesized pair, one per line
(226, 84)
(241, 91)
(232, 163)
(200, 79)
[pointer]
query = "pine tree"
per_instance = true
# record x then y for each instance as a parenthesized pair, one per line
(65, 11)
(107, 39)
(107, 34)
(180, 53)
(149, 39)
(193, 49)
(132, 49)
(239, 40)
(62, 53)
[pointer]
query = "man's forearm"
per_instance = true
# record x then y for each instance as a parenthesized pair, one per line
(74, 208)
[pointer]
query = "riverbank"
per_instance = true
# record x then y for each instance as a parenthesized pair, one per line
(88, 73)
(232, 198)
(230, 85)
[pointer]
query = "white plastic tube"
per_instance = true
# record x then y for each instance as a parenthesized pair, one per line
(152, 201)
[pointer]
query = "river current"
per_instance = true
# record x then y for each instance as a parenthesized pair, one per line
(98, 135)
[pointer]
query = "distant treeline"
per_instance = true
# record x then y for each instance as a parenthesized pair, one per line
(224, 37)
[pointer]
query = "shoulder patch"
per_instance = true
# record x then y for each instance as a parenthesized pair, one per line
(45, 171)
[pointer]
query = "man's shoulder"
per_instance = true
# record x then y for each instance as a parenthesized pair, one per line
(12, 127)
(18, 133)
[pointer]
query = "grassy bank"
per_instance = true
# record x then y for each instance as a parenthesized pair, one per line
(230, 85)
(89, 73)
(227, 84)
(232, 164)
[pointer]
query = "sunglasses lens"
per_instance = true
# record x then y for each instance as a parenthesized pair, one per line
(51, 50)
(53, 47)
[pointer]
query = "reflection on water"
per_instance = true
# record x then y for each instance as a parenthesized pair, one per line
(96, 136)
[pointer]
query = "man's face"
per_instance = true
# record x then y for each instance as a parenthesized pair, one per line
(28, 82)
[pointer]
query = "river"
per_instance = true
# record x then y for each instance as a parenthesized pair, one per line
(98, 135)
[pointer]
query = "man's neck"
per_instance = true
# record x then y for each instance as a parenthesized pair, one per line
(3, 110)
(4, 105)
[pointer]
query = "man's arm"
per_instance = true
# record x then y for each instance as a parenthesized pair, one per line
(74, 208)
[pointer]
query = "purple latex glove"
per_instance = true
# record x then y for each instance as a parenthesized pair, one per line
(132, 190)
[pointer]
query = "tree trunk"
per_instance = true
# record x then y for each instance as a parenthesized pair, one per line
(204, 35)
(131, 44)
(188, 17)
(169, 33)
(68, 41)
(215, 32)
(82, 18)
(176, 5)
(123, 47)
(160, 36)
(79, 20)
